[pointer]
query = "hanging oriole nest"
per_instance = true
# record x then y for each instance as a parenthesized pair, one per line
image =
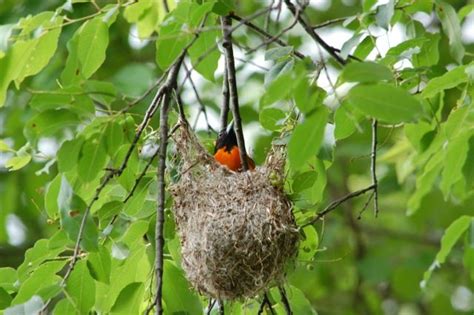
(237, 230)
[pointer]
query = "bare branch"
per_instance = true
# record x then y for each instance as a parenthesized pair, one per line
(142, 174)
(266, 301)
(225, 101)
(311, 32)
(234, 98)
(266, 34)
(277, 36)
(284, 300)
(221, 307)
(333, 205)
(373, 166)
(169, 86)
(202, 107)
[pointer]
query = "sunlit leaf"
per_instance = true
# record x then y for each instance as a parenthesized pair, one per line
(385, 102)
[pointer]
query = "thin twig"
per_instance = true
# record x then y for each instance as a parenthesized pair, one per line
(266, 301)
(336, 203)
(311, 32)
(266, 35)
(144, 95)
(142, 174)
(373, 166)
(210, 305)
(215, 46)
(202, 107)
(166, 6)
(366, 204)
(225, 101)
(221, 308)
(277, 36)
(284, 300)
(234, 98)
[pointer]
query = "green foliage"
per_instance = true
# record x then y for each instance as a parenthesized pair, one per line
(76, 81)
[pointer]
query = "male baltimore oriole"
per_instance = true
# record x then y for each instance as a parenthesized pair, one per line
(227, 151)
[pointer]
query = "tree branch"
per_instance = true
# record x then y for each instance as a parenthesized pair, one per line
(234, 99)
(333, 205)
(225, 102)
(284, 300)
(311, 32)
(169, 86)
(202, 107)
(265, 301)
(266, 34)
(373, 166)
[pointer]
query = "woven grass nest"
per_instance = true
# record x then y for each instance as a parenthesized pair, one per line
(237, 230)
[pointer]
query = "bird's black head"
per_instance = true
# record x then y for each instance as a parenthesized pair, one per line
(226, 139)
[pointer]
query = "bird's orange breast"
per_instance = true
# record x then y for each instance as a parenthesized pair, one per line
(231, 159)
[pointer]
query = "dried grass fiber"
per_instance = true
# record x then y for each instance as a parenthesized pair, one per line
(237, 230)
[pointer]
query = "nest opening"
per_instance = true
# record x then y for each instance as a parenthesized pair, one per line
(237, 230)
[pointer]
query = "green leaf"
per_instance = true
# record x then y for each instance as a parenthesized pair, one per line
(108, 210)
(81, 287)
(64, 307)
(271, 118)
(33, 306)
(385, 102)
(307, 138)
(384, 14)
(129, 273)
(452, 29)
(205, 66)
(278, 70)
(429, 54)
(135, 203)
(68, 154)
(177, 295)
(51, 197)
(448, 80)
(297, 299)
(92, 45)
(114, 137)
(8, 277)
(4, 147)
(49, 123)
(134, 79)
(365, 72)
(309, 245)
(304, 181)
(465, 11)
(71, 209)
(170, 43)
(350, 44)
(453, 162)
(424, 183)
(450, 238)
(278, 52)
(120, 251)
(5, 299)
(364, 48)
(42, 277)
(223, 7)
(35, 256)
(129, 300)
(346, 122)
(146, 14)
(92, 160)
(99, 264)
(17, 162)
(307, 96)
(30, 57)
